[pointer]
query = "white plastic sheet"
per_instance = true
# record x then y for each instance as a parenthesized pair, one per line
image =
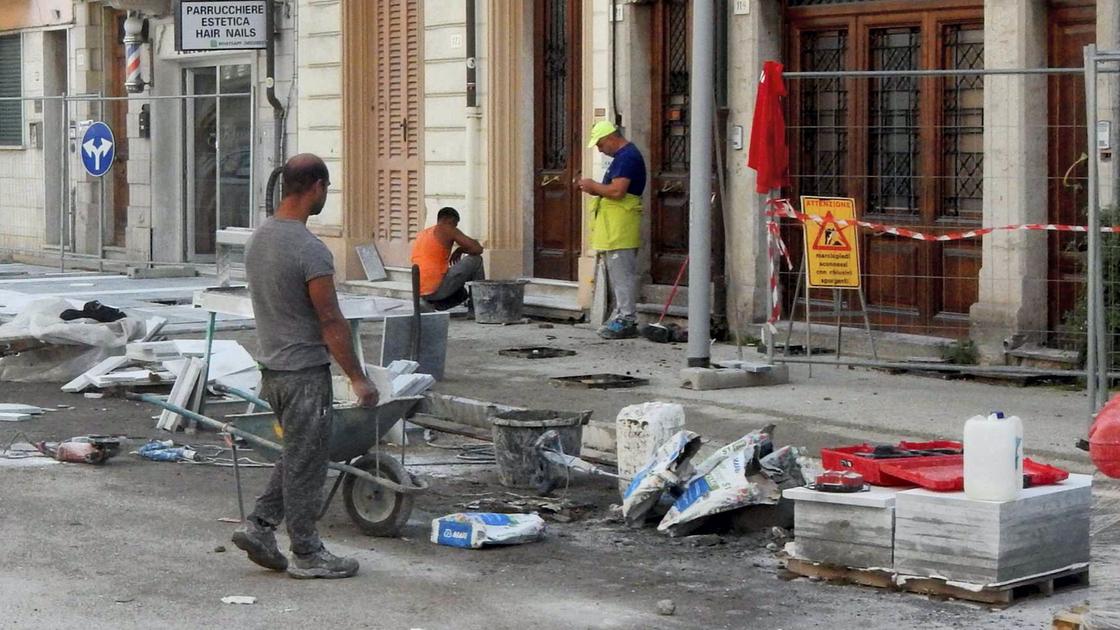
(75, 346)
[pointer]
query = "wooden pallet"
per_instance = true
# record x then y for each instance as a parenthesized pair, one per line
(1003, 595)
(1072, 619)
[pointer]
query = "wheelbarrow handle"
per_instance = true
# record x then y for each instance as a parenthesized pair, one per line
(242, 394)
(419, 484)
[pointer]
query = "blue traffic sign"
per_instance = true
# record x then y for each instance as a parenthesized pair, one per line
(98, 149)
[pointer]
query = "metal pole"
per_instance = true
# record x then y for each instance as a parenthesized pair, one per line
(252, 218)
(64, 192)
(101, 202)
(1092, 357)
(702, 105)
(774, 259)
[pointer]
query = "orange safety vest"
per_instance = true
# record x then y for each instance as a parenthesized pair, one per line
(432, 256)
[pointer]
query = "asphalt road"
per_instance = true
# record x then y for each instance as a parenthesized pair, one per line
(134, 544)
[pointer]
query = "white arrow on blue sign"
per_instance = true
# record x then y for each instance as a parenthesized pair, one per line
(98, 149)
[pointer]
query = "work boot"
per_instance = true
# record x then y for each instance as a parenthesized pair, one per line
(321, 564)
(619, 329)
(260, 543)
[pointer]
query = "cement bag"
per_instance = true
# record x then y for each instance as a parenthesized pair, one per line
(757, 443)
(729, 485)
(474, 530)
(669, 468)
(75, 346)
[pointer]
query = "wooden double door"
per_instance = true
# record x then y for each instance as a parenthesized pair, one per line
(908, 149)
(558, 142)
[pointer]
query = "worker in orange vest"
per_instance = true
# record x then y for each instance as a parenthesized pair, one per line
(444, 273)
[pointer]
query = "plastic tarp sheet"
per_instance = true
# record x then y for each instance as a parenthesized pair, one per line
(74, 346)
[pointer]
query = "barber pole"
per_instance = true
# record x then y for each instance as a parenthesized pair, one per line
(133, 39)
(133, 82)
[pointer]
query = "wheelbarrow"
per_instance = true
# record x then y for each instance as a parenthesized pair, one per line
(376, 488)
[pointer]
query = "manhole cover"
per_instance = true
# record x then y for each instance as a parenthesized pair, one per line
(536, 353)
(601, 381)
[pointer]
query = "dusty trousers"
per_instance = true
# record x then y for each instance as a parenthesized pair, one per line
(301, 400)
(622, 274)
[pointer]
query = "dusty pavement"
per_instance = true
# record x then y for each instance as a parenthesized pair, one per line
(835, 406)
(134, 544)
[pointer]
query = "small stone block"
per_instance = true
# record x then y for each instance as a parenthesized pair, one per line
(721, 378)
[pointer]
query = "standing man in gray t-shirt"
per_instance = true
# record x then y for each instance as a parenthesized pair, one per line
(299, 328)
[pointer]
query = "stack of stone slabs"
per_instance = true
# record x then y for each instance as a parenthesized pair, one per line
(846, 529)
(947, 535)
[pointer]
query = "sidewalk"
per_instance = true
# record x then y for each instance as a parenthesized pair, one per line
(836, 405)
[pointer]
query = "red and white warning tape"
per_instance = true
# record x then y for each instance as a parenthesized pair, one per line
(781, 208)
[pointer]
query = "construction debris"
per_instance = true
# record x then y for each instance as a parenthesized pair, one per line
(182, 393)
(18, 408)
(14, 412)
(559, 510)
(239, 599)
(166, 451)
(53, 349)
(669, 468)
(85, 449)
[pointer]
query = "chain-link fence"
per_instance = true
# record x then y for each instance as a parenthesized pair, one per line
(970, 188)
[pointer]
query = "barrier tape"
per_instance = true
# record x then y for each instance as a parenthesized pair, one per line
(781, 208)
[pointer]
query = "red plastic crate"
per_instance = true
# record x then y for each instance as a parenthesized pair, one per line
(946, 474)
(852, 458)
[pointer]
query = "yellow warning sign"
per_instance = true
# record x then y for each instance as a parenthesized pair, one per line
(831, 250)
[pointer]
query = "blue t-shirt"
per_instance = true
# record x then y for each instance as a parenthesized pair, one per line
(628, 163)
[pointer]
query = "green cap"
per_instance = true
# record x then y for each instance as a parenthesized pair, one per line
(600, 130)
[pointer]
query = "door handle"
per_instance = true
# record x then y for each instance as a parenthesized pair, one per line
(670, 187)
(549, 179)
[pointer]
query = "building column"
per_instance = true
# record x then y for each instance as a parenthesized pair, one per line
(752, 39)
(506, 143)
(1013, 271)
(356, 224)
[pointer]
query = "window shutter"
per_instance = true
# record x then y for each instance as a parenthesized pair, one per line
(11, 112)
(399, 94)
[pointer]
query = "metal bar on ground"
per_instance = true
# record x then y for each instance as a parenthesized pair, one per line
(237, 479)
(1001, 370)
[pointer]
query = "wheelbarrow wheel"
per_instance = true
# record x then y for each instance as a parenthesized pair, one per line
(376, 510)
